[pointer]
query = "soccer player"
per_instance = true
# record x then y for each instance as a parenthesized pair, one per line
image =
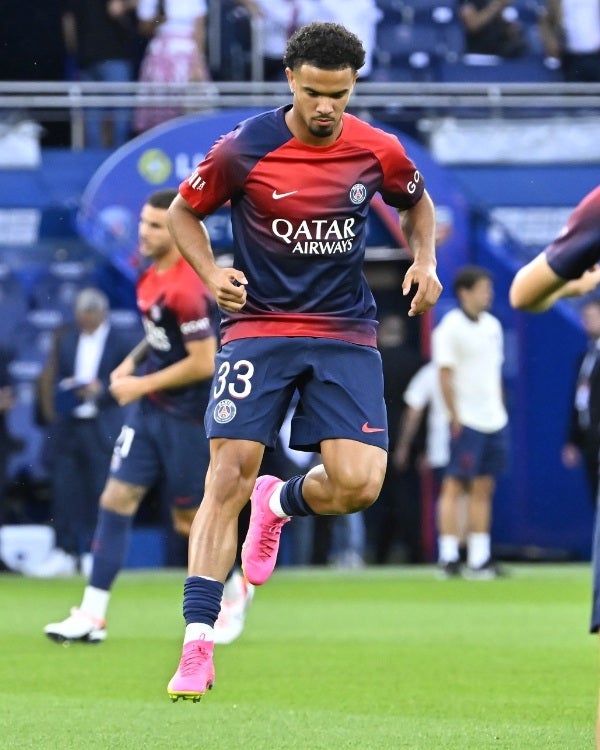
(163, 438)
(297, 315)
(568, 267)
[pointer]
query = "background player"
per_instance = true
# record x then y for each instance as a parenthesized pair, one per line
(568, 267)
(163, 439)
(297, 315)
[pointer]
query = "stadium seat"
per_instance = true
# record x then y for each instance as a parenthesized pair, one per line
(419, 66)
(21, 419)
(127, 320)
(522, 70)
(58, 286)
(36, 333)
(13, 304)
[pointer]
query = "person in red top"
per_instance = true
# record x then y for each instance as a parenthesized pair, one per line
(298, 318)
(166, 379)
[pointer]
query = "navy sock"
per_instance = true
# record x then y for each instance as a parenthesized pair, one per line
(201, 600)
(109, 547)
(292, 502)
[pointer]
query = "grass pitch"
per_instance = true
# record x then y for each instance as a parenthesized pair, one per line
(378, 659)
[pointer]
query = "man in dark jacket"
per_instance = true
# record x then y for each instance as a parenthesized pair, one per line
(87, 422)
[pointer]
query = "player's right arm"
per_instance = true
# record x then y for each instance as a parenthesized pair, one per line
(131, 362)
(227, 285)
(536, 287)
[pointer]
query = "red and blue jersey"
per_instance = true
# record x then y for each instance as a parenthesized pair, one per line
(299, 216)
(176, 308)
(577, 247)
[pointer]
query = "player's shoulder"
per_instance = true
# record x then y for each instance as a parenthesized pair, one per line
(368, 134)
(590, 204)
(262, 128)
(452, 317)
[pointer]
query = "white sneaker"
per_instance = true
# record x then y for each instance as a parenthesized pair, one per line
(232, 617)
(78, 627)
(58, 564)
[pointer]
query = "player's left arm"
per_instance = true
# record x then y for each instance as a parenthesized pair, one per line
(418, 226)
(198, 365)
(536, 287)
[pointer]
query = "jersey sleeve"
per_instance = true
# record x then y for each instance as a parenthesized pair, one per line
(193, 309)
(577, 247)
(216, 179)
(402, 184)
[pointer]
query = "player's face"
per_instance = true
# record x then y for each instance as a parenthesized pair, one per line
(153, 232)
(320, 98)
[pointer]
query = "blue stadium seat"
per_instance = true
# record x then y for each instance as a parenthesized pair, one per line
(522, 70)
(415, 67)
(58, 286)
(36, 334)
(21, 419)
(128, 320)
(13, 304)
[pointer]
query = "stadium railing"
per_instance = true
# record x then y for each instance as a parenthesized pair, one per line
(68, 101)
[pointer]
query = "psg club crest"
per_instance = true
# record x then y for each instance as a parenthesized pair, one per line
(358, 193)
(224, 411)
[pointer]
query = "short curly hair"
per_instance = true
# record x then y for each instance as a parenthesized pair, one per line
(329, 46)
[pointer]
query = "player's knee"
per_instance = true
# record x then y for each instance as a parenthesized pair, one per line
(359, 490)
(182, 524)
(120, 497)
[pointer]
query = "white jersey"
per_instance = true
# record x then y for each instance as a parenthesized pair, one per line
(424, 391)
(474, 351)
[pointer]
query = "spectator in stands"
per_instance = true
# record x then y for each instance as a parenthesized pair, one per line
(100, 34)
(492, 28)
(570, 33)
(87, 422)
(176, 52)
(277, 22)
(280, 20)
(359, 16)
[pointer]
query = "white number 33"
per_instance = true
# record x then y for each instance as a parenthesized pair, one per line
(240, 386)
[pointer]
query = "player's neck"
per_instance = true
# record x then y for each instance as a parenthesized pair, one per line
(168, 260)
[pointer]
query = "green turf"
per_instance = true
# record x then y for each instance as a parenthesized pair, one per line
(384, 659)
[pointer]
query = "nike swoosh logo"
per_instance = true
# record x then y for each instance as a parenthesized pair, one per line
(366, 428)
(278, 196)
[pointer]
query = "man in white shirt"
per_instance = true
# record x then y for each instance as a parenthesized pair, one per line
(468, 352)
(87, 420)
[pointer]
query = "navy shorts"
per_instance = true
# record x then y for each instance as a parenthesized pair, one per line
(340, 388)
(156, 448)
(478, 454)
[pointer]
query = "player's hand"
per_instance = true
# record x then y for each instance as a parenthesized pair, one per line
(127, 367)
(428, 286)
(586, 283)
(127, 389)
(228, 286)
